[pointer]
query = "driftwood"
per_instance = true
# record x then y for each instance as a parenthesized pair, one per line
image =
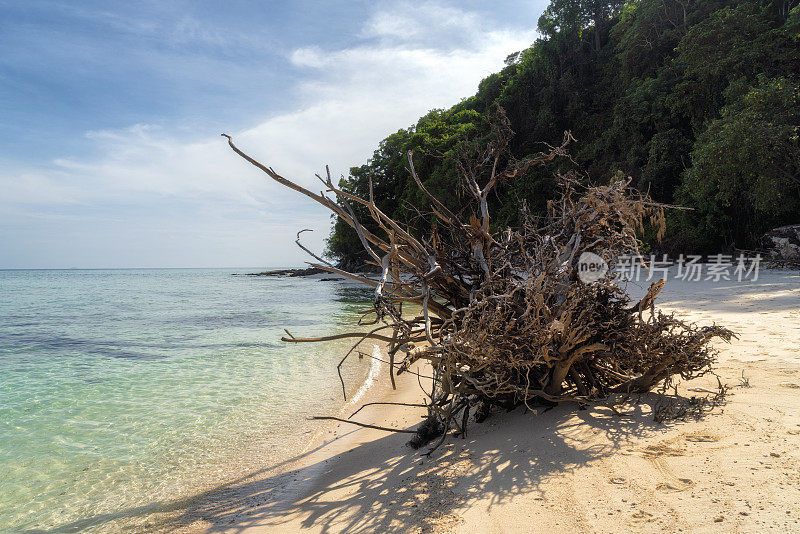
(503, 317)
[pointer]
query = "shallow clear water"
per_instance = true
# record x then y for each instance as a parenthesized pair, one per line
(122, 390)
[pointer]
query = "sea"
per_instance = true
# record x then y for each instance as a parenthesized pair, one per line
(126, 393)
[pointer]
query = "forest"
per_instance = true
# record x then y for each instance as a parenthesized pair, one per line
(697, 101)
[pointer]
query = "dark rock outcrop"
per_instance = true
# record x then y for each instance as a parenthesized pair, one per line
(782, 244)
(289, 272)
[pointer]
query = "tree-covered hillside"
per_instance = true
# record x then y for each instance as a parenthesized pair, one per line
(697, 100)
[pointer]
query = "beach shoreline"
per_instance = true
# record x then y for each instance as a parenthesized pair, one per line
(128, 392)
(563, 469)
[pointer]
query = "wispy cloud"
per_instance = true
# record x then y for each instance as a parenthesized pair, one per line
(407, 60)
(424, 23)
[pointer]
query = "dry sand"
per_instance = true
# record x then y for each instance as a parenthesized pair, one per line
(565, 470)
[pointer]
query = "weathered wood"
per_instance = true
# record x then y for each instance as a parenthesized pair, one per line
(506, 320)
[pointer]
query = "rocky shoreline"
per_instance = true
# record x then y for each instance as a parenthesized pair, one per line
(363, 269)
(308, 271)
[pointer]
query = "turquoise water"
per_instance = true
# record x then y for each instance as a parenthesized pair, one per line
(123, 390)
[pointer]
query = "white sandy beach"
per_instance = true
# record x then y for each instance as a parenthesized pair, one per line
(564, 470)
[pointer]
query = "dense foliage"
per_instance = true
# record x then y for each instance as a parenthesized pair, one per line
(697, 100)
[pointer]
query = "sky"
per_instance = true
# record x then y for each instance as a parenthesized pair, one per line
(111, 113)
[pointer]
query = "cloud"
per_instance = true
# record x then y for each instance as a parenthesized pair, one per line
(407, 61)
(425, 22)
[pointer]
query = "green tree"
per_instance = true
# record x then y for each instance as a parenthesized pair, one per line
(745, 173)
(647, 87)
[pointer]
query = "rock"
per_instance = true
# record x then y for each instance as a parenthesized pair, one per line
(289, 272)
(427, 430)
(783, 244)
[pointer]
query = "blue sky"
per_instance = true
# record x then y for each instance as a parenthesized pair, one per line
(111, 112)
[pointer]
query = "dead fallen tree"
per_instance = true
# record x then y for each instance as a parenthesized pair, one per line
(503, 317)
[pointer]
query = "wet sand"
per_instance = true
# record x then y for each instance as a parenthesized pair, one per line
(564, 469)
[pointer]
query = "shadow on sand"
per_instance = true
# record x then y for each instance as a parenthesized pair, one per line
(382, 485)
